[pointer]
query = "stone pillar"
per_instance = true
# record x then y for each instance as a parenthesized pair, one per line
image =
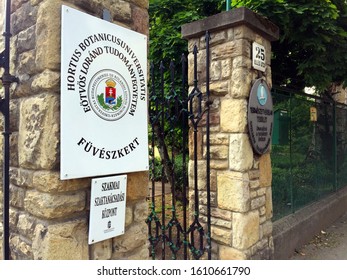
(49, 217)
(339, 93)
(240, 179)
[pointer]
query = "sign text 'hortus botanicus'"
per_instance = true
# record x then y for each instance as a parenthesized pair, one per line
(103, 97)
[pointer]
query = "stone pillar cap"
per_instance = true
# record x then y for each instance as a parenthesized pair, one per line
(235, 17)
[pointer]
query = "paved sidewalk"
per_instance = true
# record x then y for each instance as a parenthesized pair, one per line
(329, 244)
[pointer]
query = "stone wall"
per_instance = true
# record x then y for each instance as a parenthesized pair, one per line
(240, 179)
(49, 217)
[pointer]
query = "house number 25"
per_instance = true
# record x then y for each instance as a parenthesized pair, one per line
(258, 57)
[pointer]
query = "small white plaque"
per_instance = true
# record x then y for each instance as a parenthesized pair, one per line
(258, 57)
(107, 208)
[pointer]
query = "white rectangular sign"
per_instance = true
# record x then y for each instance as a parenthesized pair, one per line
(107, 208)
(258, 57)
(103, 97)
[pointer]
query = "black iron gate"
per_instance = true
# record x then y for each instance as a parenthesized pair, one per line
(175, 227)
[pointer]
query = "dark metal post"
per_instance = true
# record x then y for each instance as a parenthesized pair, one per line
(208, 170)
(184, 153)
(7, 80)
(162, 123)
(335, 146)
(291, 155)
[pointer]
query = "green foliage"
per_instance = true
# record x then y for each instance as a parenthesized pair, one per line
(303, 171)
(106, 106)
(313, 41)
(179, 172)
(156, 172)
(302, 127)
(166, 43)
(166, 46)
(298, 181)
(166, 19)
(312, 50)
(119, 101)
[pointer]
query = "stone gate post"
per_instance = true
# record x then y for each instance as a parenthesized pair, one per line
(240, 179)
(49, 217)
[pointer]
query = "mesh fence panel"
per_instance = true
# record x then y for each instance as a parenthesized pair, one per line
(313, 161)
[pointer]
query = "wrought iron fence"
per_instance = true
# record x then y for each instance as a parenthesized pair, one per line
(309, 151)
(175, 229)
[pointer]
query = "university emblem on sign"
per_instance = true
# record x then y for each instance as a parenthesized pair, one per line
(262, 95)
(108, 94)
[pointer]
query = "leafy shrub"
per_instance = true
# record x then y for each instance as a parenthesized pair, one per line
(156, 172)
